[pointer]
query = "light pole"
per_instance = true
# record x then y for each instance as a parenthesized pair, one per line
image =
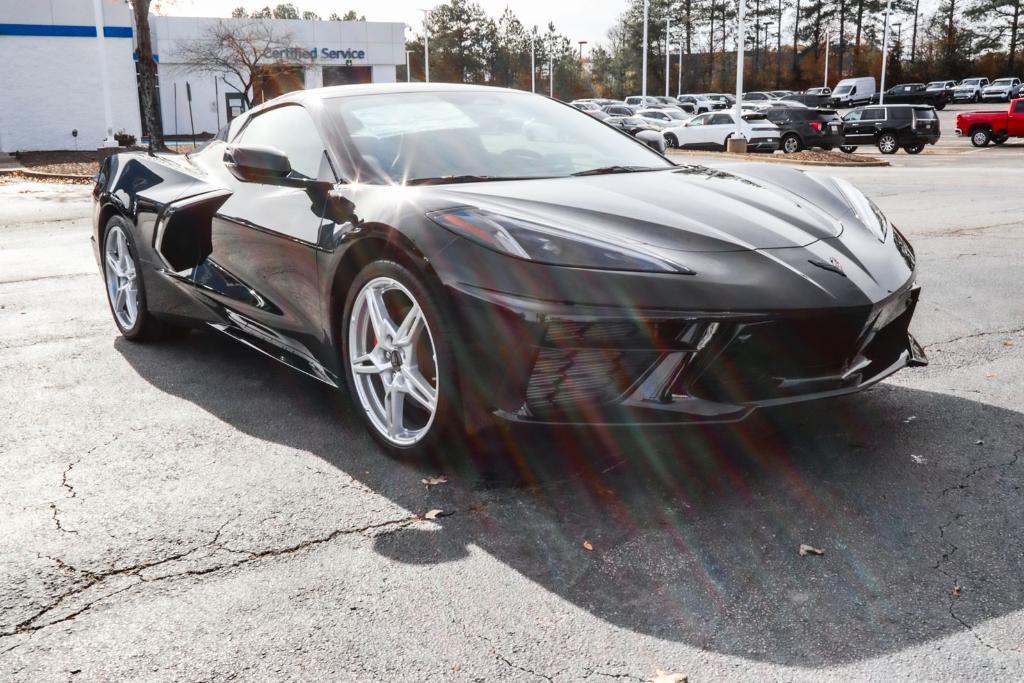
(533, 61)
(426, 46)
(668, 49)
(643, 78)
(741, 33)
(828, 40)
(551, 68)
(408, 72)
(885, 49)
(679, 88)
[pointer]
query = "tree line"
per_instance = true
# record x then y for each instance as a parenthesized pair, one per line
(785, 43)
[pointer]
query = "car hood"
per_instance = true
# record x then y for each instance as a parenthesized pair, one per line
(689, 208)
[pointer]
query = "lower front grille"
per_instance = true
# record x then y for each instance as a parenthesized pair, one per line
(562, 377)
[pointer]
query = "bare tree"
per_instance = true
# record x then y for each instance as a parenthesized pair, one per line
(242, 50)
(147, 74)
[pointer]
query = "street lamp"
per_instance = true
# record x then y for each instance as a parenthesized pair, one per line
(668, 48)
(741, 32)
(426, 46)
(828, 41)
(408, 73)
(885, 49)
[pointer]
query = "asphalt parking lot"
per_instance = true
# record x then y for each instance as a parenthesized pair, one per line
(190, 510)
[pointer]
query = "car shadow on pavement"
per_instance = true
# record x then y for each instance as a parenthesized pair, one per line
(694, 532)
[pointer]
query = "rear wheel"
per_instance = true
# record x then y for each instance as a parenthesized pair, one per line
(980, 137)
(914, 149)
(791, 144)
(887, 143)
(126, 290)
(849, 149)
(398, 364)
(976, 98)
(671, 140)
(1000, 139)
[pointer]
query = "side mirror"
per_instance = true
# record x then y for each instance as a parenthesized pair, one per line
(257, 164)
(653, 139)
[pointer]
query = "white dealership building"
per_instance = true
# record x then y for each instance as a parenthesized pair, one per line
(68, 70)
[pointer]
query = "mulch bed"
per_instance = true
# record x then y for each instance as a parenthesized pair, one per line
(75, 163)
(18, 177)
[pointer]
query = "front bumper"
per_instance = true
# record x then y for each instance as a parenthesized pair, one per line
(588, 365)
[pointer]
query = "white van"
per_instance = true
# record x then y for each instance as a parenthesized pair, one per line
(851, 92)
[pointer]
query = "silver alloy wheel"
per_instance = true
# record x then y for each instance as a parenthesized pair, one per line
(791, 145)
(387, 362)
(121, 277)
(887, 144)
(980, 138)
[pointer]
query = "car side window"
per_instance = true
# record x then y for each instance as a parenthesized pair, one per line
(854, 115)
(291, 130)
(1018, 107)
(697, 120)
(721, 120)
(873, 114)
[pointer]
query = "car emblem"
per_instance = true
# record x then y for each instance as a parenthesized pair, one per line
(832, 264)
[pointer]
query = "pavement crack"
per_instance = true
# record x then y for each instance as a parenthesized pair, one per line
(974, 335)
(509, 663)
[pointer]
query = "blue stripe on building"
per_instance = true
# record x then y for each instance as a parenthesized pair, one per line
(63, 31)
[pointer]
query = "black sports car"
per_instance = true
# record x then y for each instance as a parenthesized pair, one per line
(461, 255)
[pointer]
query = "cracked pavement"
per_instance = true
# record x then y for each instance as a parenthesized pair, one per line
(192, 510)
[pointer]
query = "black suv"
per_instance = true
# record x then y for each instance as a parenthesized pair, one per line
(913, 93)
(800, 128)
(890, 127)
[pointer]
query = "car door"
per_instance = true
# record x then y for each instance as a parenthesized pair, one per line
(852, 127)
(865, 129)
(264, 236)
(692, 134)
(717, 129)
(1015, 119)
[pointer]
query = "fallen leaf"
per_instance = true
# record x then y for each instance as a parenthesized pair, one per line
(910, 419)
(433, 514)
(955, 592)
(666, 677)
(588, 545)
(434, 481)
(810, 550)
(979, 442)
(919, 459)
(1007, 343)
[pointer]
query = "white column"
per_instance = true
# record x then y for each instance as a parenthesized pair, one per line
(668, 48)
(679, 89)
(101, 47)
(828, 39)
(426, 47)
(533, 61)
(741, 36)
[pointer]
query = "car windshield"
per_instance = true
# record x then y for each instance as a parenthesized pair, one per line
(936, 85)
(676, 114)
(925, 114)
(843, 89)
(971, 81)
(487, 135)
(1002, 81)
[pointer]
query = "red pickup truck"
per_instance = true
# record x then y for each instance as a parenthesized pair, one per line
(992, 126)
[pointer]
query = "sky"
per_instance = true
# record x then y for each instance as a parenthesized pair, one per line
(578, 19)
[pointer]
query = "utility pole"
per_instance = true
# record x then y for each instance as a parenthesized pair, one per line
(426, 46)
(885, 49)
(828, 40)
(643, 79)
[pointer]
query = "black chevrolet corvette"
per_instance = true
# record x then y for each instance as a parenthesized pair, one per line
(461, 256)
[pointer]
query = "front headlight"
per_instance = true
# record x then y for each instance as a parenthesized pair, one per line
(865, 210)
(548, 244)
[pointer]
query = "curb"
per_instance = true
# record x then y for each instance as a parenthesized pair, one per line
(43, 175)
(777, 159)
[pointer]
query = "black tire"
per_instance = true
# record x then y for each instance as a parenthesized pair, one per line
(827, 148)
(791, 143)
(981, 137)
(445, 376)
(671, 140)
(914, 149)
(145, 327)
(849, 149)
(977, 98)
(939, 106)
(888, 143)
(1000, 140)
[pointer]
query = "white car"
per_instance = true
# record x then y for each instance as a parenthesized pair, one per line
(664, 118)
(640, 101)
(712, 131)
(1001, 89)
(969, 90)
(700, 103)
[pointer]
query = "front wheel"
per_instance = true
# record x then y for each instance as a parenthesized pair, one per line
(887, 143)
(976, 98)
(849, 149)
(980, 137)
(914, 149)
(671, 140)
(398, 364)
(791, 144)
(126, 290)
